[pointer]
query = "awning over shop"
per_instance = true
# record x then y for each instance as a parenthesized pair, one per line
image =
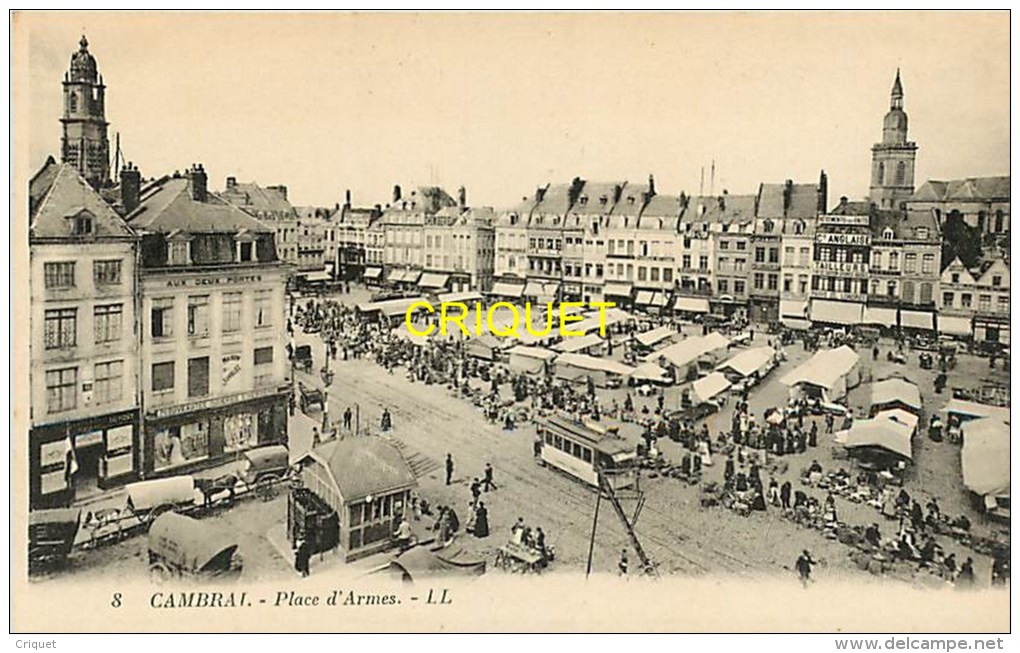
(372, 273)
(433, 280)
(846, 313)
(507, 289)
(617, 289)
(411, 276)
(542, 289)
(796, 323)
(315, 276)
(954, 325)
(691, 304)
(880, 315)
(659, 299)
(917, 320)
(710, 386)
(650, 298)
(794, 308)
(395, 275)
(465, 297)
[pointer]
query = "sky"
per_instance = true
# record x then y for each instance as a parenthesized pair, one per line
(500, 103)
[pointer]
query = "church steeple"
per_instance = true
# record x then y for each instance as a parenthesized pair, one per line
(85, 144)
(892, 160)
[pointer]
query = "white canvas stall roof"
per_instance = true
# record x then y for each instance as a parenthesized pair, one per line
(985, 457)
(591, 363)
(575, 343)
(649, 371)
(974, 409)
(880, 315)
(892, 390)
(823, 310)
(710, 386)
(881, 432)
(507, 289)
(617, 289)
(588, 325)
(391, 307)
(917, 320)
(750, 361)
(691, 304)
(688, 351)
(372, 273)
(824, 368)
(901, 416)
(616, 316)
(465, 297)
(954, 325)
(655, 336)
(533, 352)
(433, 280)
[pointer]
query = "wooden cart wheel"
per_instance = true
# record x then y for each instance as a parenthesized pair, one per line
(265, 488)
(160, 573)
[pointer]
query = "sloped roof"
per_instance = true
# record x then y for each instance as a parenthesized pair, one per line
(855, 207)
(882, 432)
(803, 201)
(364, 466)
(63, 194)
(708, 387)
(167, 206)
(689, 350)
(749, 361)
(253, 197)
(895, 389)
(594, 191)
(591, 363)
(970, 188)
(824, 368)
(735, 208)
(555, 202)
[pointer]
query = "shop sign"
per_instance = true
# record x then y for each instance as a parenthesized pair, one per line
(215, 402)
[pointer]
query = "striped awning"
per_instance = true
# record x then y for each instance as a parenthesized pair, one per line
(433, 280)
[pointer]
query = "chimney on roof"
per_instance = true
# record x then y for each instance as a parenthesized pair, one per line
(576, 185)
(540, 193)
(684, 200)
(842, 201)
(199, 183)
(462, 197)
(823, 191)
(347, 198)
(651, 186)
(787, 195)
(231, 183)
(396, 193)
(617, 193)
(130, 187)
(722, 202)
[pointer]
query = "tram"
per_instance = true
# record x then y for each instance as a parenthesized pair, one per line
(585, 450)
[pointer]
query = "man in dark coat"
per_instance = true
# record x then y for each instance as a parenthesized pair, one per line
(487, 481)
(804, 563)
(449, 468)
(784, 494)
(302, 555)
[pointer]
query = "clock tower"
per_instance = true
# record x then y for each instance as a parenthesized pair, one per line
(892, 160)
(84, 144)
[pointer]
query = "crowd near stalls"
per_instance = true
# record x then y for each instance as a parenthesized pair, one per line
(580, 390)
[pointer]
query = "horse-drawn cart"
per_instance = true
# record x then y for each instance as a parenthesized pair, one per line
(263, 468)
(182, 547)
(147, 500)
(308, 397)
(303, 358)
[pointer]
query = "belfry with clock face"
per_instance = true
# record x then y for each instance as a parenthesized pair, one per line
(85, 144)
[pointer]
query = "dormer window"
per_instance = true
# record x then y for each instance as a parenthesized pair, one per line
(887, 234)
(921, 233)
(584, 201)
(83, 226)
(798, 227)
(178, 252)
(769, 226)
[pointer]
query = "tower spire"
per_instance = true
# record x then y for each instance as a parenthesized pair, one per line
(896, 97)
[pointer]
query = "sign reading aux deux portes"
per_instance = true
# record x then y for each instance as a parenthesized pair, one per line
(843, 239)
(229, 279)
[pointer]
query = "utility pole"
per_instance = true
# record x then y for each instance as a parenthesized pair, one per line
(594, 525)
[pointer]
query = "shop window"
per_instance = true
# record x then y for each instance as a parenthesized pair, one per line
(163, 376)
(181, 445)
(239, 432)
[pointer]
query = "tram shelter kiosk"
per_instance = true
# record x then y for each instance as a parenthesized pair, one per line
(367, 483)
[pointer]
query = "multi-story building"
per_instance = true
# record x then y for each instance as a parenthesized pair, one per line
(545, 240)
(619, 230)
(798, 244)
(730, 221)
(459, 248)
(317, 243)
(694, 251)
(839, 281)
(510, 265)
(975, 303)
(272, 208)
(84, 347)
(352, 228)
(892, 160)
(595, 202)
(904, 268)
(981, 202)
(778, 204)
(403, 226)
(214, 375)
(657, 275)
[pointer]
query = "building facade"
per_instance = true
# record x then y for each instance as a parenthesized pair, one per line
(84, 430)
(459, 249)
(84, 144)
(272, 208)
(215, 377)
(981, 202)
